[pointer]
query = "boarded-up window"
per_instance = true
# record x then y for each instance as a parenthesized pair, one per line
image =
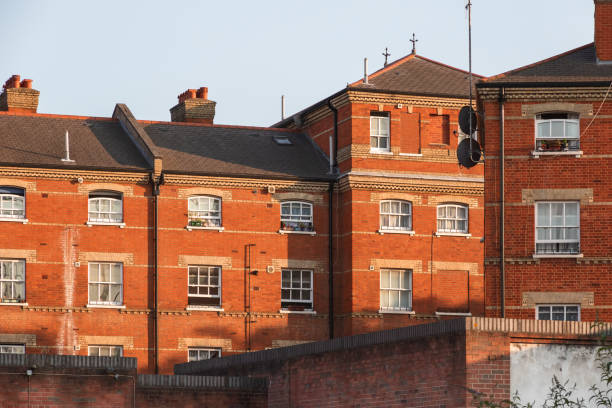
(451, 291)
(410, 137)
(438, 129)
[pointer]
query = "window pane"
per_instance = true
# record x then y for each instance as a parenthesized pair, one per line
(556, 210)
(543, 234)
(572, 233)
(394, 298)
(383, 142)
(441, 212)
(116, 352)
(543, 129)
(405, 300)
(285, 294)
(116, 273)
(385, 206)
(104, 293)
(104, 273)
(116, 206)
(394, 279)
(543, 210)
(571, 313)
(384, 299)
(571, 129)
(557, 129)
(406, 280)
(6, 270)
(115, 294)
(93, 292)
(571, 214)
(19, 270)
(384, 279)
(19, 289)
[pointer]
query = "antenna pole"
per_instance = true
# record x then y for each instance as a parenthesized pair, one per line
(67, 158)
(469, 10)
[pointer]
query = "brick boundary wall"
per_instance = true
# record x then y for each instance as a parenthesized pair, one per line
(439, 364)
(81, 381)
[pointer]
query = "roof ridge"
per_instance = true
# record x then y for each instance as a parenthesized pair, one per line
(57, 116)
(533, 64)
(162, 122)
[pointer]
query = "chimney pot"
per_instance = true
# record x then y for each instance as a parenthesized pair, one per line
(18, 96)
(194, 106)
(202, 93)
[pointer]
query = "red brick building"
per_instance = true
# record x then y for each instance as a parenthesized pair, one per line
(404, 207)
(548, 155)
(170, 241)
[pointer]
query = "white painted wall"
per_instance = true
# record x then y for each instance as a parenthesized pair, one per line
(532, 367)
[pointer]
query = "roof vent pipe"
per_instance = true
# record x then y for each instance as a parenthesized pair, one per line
(282, 107)
(365, 71)
(67, 158)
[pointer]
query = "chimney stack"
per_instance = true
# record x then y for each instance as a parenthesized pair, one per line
(194, 106)
(603, 30)
(18, 96)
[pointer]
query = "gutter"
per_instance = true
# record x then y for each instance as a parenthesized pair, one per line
(333, 170)
(569, 84)
(155, 189)
(502, 270)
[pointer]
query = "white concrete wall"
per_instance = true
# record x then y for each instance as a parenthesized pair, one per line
(532, 367)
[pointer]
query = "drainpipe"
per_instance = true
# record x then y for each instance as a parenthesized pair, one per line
(155, 187)
(502, 269)
(333, 167)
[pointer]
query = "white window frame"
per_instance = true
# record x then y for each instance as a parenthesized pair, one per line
(103, 216)
(551, 306)
(297, 222)
(400, 290)
(288, 288)
(201, 216)
(380, 132)
(99, 283)
(560, 142)
(11, 281)
(208, 285)
(204, 353)
(395, 215)
(12, 212)
(564, 227)
(104, 350)
(8, 348)
(456, 218)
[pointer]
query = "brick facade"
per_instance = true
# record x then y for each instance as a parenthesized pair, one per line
(146, 163)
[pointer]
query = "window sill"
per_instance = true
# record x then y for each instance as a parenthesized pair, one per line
(536, 153)
(452, 234)
(112, 224)
(190, 227)
(412, 154)
(21, 220)
(391, 311)
(468, 314)
(297, 232)
(13, 304)
(105, 306)
(570, 256)
(205, 308)
(304, 312)
(387, 152)
(384, 231)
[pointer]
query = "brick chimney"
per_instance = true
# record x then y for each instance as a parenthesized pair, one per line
(194, 106)
(603, 30)
(18, 96)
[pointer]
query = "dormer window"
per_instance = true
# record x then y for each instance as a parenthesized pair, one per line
(12, 203)
(105, 207)
(557, 132)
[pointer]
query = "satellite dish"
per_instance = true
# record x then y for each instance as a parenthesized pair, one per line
(469, 152)
(464, 120)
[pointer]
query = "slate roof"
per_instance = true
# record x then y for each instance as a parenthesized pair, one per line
(575, 66)
(40, 141)
(236, 151)
(412, 75)
(419, 75)
(102, 144)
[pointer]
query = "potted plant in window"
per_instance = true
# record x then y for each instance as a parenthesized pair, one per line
(564, 145)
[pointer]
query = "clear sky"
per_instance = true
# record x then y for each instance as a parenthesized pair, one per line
(85, 56)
